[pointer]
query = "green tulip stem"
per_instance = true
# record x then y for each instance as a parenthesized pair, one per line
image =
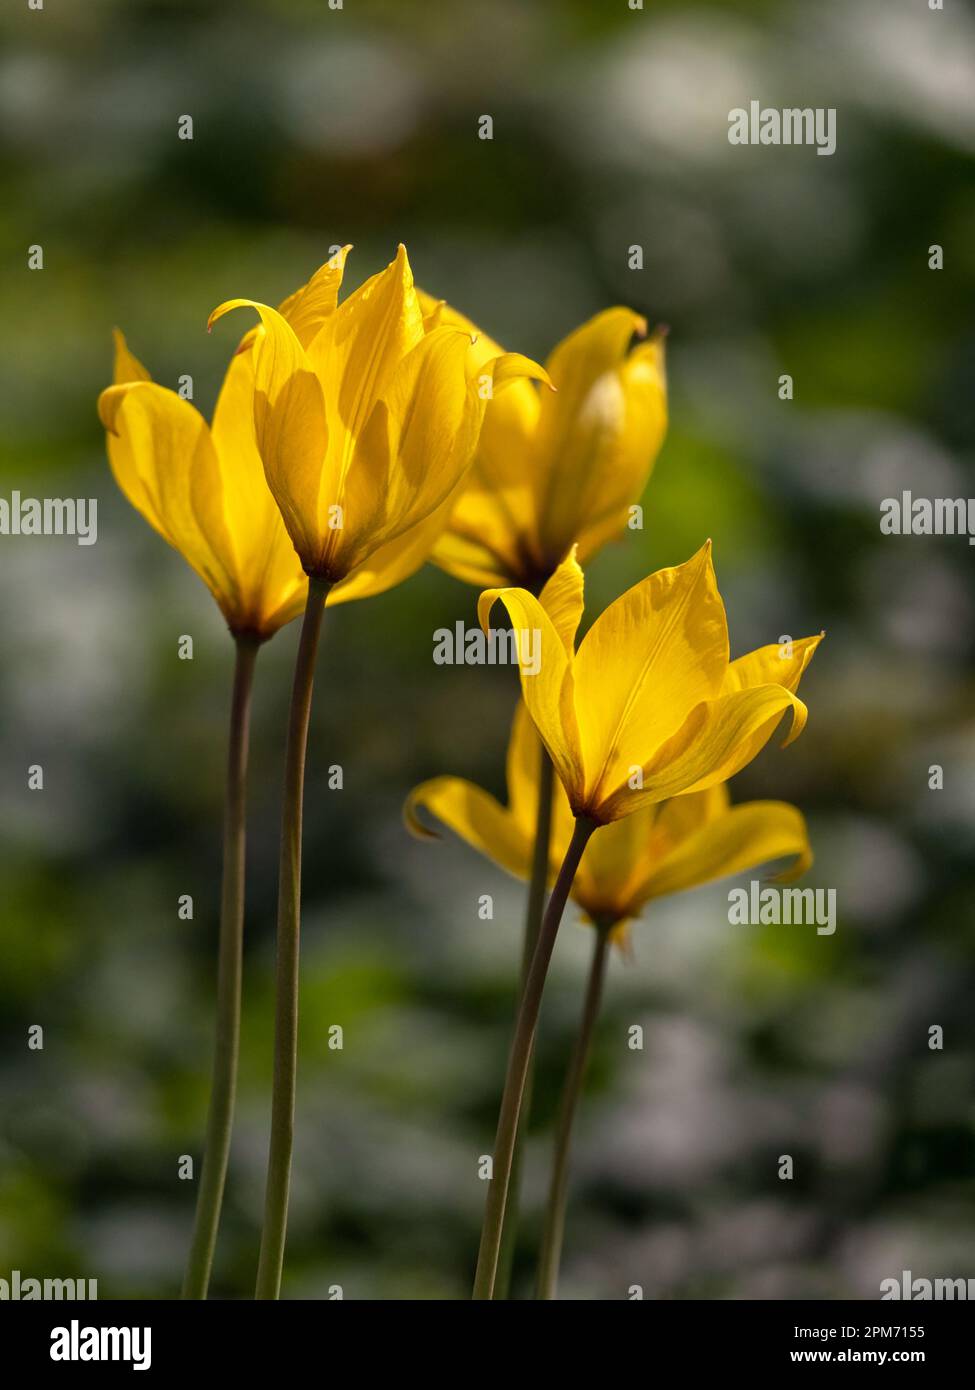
(518, 1064)
(533, 922)
(278, 1186)
(554, 1228)
(220, 1116)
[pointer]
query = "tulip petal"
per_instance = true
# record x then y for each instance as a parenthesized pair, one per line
(473, 815)
(392, 562)
(620, 472)
(681, 844)
(308, 308)
(491, 536)
(414, 448)
(744, 837)
(164, 461)
(653, 655)
(523, 769)
(509, 367)
(548, 692)
(778, 664)
(685, 815)
(597, 346)
(614, 865)
(366, 339)
(717, 739)
(433, 426)
(289, 420)
(272, 582)
(127, 365)
(581, 427)
(563, 598)
(491, 540)
(467, 552)
(437, 313)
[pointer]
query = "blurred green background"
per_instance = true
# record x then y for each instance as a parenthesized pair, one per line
(314, 127)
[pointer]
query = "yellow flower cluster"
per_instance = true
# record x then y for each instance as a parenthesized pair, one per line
(351, 442)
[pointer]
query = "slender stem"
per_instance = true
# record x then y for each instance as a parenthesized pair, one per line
(533, 923)
(554, 1228)
(519, 1057)
(286, 984)
(223, 1086)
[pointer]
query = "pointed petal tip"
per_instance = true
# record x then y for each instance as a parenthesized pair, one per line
(412, 820)
(639, 326)
(542, 375)
(229, 304)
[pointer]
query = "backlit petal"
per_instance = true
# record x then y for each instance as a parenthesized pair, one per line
(548, 692)
(289, 420)
(127, 365)
(465, 550)
(778, 663)
(393, 562)
(360, 349)
(523, 768)
(308, 308)
(473, 815)
(614, 865)
(271, 580)
(164, 461)
(653, 655)
(581, 426)
(419, 440)
(717, 739)
(622, 465)
(743, 838)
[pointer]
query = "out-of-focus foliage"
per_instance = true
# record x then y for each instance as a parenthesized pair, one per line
(313, 127)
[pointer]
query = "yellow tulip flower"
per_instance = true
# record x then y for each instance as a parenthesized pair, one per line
(662, 848)
(557, 468)
(366, 427)
(366, 417)
(203, 490)
(659, 849)
(650, 706)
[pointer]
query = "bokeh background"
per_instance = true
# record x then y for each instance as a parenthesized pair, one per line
(313, 127)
